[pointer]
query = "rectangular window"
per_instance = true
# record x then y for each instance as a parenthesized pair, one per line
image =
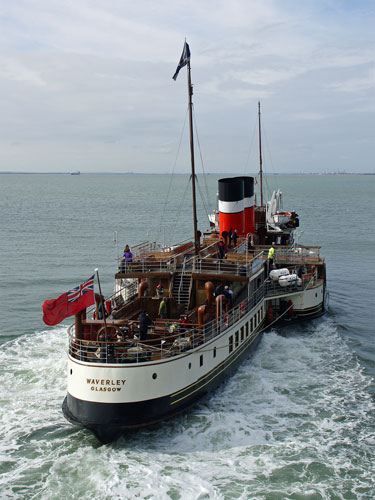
(214, 352)
(251, 324)
(231, 343)
(247, 329)
(242, 333)
(236, 339)
(201, 360)
(258, 317)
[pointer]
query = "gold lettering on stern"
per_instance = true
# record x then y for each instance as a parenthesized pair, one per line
(105, 385)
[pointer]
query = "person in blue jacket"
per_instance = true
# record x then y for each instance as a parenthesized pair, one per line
(144, 323)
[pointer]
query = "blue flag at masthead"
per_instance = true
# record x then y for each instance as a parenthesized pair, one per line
(185, 57)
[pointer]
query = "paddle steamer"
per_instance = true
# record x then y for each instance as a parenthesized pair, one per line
(220, 294)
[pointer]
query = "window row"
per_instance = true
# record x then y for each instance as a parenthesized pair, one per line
(240, 334)
(245, 330)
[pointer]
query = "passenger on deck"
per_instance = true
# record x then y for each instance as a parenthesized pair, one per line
(183, 322)
(144, 322)
(173, 328)
(234, 238)
(219, 290)
(160, 291)
(221, 249)
(106, 350)
(127, 254)
(229, 295)
(271, 254)
(230, 236)
(163, 309)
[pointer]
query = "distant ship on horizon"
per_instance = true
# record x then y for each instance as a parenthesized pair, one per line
(76, 172)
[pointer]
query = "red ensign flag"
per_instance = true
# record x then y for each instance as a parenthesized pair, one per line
(69, 303)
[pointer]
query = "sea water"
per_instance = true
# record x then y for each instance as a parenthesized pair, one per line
(296, 421)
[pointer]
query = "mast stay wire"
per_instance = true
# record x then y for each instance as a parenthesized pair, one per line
(271, 162)
(206, 209)
(173, 229)
(171, 177)
(206, 201)
(264, 135)
(205, 204)
(250, 148)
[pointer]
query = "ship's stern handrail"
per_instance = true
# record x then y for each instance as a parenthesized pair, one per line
(120, 349)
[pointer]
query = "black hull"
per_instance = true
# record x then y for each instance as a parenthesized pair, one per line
(109, 421)
(299, 317)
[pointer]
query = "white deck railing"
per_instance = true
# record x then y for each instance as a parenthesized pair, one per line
(160, 344)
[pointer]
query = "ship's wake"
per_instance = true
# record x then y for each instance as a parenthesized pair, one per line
(296, 418)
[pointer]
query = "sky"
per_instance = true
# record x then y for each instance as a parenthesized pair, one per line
(87, 85)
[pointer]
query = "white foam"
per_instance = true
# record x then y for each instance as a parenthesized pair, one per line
(296, 418)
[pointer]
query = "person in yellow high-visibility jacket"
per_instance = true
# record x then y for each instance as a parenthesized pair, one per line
(271, 254)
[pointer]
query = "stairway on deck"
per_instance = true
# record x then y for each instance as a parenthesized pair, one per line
(181, 295)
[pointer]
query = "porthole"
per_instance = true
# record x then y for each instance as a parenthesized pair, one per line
(214, 352)
(71, 372)
(201, 360)
(316, 295)
(154, 375)
(189, 366)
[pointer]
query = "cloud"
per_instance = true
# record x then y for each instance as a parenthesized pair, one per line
(90, 76)
(15, 70)
(365, 82)
(309, 116)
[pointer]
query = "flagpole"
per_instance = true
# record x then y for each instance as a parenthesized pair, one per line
(190, 91)
(102, 303)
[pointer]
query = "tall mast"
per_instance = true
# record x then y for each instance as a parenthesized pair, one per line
(260, 159)
(190, 91)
